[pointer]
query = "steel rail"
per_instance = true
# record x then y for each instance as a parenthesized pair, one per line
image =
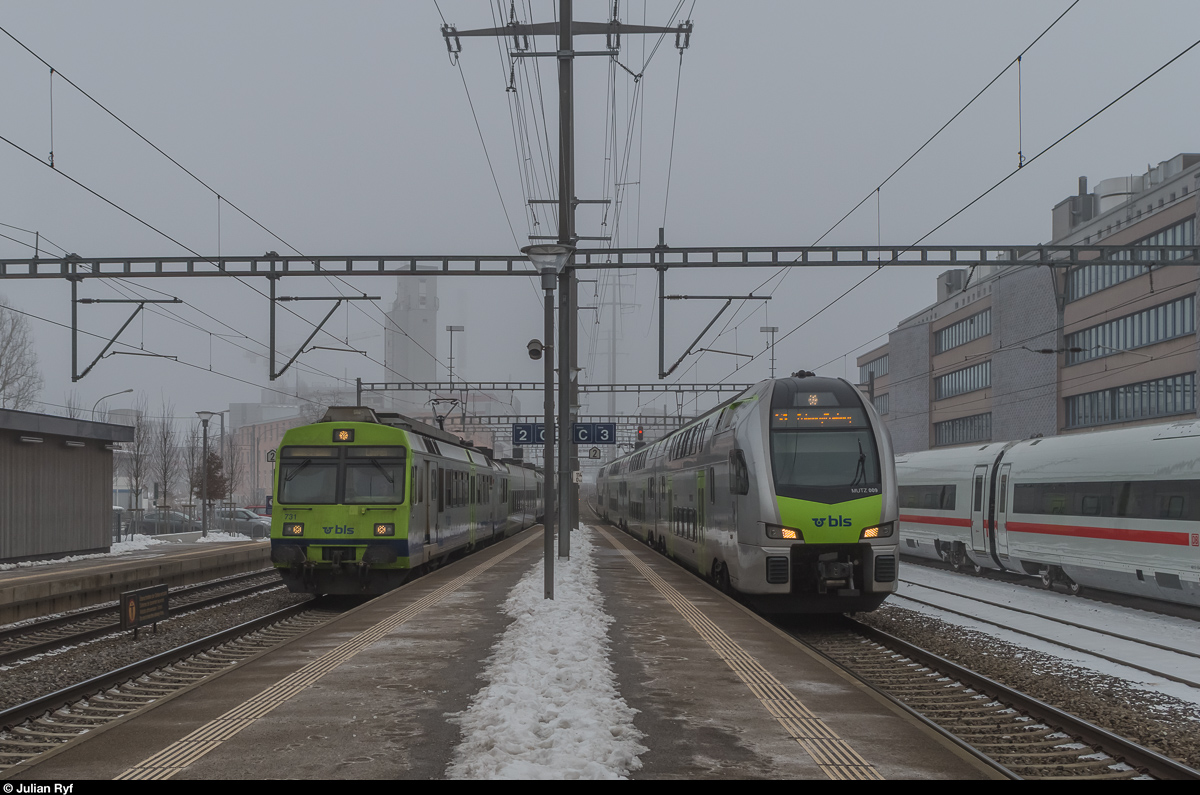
(1120, 748)
(51, 701)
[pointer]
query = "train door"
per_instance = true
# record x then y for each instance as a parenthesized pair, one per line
(435, 487)
(978, 514)
(1002, 511)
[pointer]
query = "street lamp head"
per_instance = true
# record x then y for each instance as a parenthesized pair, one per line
(535, 348)
(549, 255)
(455, 328)
(769, 329)
(205, 416)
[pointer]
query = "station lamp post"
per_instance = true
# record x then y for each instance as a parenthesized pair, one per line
(204, 416)
(550, 259)
(453, 329)
(106, 397)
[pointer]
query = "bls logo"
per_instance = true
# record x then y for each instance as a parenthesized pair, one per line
(338, 529)
(834, 521)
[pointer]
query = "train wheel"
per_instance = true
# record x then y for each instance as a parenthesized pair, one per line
(1075, 588)
(975, 567)
(1047, 579)
(721, 577)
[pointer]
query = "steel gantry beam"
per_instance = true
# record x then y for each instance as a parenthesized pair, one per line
(624, 258)
(534, 386)
(644, 420)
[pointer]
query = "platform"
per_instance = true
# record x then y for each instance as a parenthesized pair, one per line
(720, 693)
(56, 586)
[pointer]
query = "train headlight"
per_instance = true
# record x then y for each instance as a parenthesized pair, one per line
(786, 533)
(343, 435)
(879, 531)
(385, 530)
(293, 529)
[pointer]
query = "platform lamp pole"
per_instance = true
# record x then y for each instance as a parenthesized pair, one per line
(204, 416)
(106, 397)
(549, 260)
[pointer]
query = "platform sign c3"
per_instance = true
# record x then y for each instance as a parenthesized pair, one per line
(143, 606)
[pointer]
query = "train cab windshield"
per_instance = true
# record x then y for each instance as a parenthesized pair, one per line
(345, 475)
(822, 445)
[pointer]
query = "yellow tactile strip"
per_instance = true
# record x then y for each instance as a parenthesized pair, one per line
(831, 753)
(182, 753)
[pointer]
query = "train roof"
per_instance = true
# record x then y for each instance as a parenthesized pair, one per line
(1165, 451)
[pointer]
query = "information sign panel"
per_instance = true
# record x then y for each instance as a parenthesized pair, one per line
(606, 433)
(583, 432)
(143, 606)
(528, 433)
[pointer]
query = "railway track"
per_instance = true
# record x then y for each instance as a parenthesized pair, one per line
(1025, 737)
(47, 723)
(1170, 660)
(43, 635)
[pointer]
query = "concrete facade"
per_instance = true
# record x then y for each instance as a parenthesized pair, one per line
(1135, 360)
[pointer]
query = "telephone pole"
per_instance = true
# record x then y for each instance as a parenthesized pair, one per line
(516, 35)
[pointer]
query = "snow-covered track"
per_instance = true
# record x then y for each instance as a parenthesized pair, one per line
(1115, 647)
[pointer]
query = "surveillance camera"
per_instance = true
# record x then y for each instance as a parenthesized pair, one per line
(535, 349)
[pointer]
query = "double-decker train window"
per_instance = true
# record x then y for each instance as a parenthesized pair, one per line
(739, 475)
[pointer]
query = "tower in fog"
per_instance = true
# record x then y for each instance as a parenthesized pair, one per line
(410, 354)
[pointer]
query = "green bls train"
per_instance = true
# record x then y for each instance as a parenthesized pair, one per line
(363, 500)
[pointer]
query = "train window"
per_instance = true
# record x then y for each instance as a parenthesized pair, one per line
(739, 480)
(712, 485)
(934, 498)
(1146, 499)
(1003, 493)
(308, 482)
(377, 481)
(979, 493)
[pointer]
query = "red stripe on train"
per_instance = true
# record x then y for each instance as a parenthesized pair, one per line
(952, 521)
(1103, 533)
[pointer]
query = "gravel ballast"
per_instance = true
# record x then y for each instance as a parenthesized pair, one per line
(47, 673)
(1162, 723)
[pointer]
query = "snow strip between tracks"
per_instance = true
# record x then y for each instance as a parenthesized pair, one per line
(551, 709)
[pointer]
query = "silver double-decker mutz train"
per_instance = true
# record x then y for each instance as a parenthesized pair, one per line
(785, 495)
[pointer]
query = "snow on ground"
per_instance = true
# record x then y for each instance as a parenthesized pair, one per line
(130, 544)
(550, 709)
(1169, 631)
(218, 537)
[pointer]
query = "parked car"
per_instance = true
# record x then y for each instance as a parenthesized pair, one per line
(242, 520)
(160, 521)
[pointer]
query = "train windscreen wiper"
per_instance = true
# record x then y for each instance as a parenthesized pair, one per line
(287, 478)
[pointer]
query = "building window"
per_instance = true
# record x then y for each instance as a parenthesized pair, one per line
(964, 331)
(1157, 324)
(977, 428)
(878, 366)
(881, 403)
(1087, 279)
(1159, 398)
(959, 382)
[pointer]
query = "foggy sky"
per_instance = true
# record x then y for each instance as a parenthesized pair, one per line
(345, 129)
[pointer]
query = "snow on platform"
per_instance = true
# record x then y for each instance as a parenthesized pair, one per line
(550, 709)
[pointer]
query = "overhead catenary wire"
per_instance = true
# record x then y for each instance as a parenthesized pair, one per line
(989, 190)
(208, 187)
(783, 272)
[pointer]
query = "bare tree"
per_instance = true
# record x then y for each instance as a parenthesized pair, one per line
(20, 379)
(164, 454)
(192, 450)
(73, 404)
(137, 462)
(234, 471)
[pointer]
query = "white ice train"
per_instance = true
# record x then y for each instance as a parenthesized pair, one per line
(1115, 510)
(785, 494)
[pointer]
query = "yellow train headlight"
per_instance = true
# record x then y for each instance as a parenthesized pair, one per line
(293, 529)
(879, 531)
(785, 533)
(385, 530)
